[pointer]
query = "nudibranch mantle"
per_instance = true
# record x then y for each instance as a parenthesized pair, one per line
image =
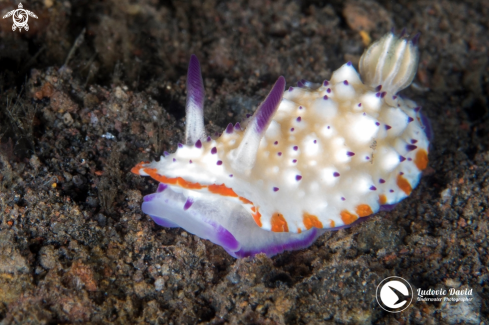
(312, 158)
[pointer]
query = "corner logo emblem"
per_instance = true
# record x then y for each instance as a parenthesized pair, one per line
(394, 294)
(20, 17)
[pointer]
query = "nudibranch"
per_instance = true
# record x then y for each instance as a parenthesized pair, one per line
(312, 158)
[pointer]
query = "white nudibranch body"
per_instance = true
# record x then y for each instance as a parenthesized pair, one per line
(315, 157)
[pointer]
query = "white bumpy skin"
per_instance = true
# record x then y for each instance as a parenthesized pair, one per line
(325, 155)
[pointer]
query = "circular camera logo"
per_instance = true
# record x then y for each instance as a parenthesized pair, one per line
(394, 294)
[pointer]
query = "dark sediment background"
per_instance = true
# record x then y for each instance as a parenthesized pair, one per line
(74, 244)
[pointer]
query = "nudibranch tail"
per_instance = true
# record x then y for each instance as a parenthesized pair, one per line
(390, 63)
(194, 108)
(244, 157)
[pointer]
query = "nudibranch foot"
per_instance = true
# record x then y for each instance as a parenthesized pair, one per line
(312, 158)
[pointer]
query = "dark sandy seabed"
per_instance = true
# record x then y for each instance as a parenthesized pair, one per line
(74, 244)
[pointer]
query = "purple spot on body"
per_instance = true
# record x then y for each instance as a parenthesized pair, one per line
(377, 123)
(161, 187)
(350, 154)
(275, 189)
(219, 163)
(410, 119)
(208, 139)
(329, 127)
(378, 88)
(230, 175)
(149, 197)
(279, 153)
(336, 174)
(367, 157)
(381, 181)
(198, 144)
(325, 97)
(190, 161)
(291, 88)
(174, 160)
(294, 160)
(359, 104)
(298, 119)
(377, 95)
(325, 82)
(248, 115)
(348, 63)
(165, 153)
(382, 94)
(373, 188)
(237, 126)
(392, 191)
(415, 39)
(295, 148)
(275, 143)
(401, 158)
(300, 84)
(417, 109)
(343, 199)
(410, 159)
(414, 141)
(214, 151)
(300, 107)
(364, 114)
(229, 128)
(315, 141)
(411, 147)
(394, 97)
(328, 90)
(292, 129)
(180, 145)
(388, 127)
(188, 203)
(345, 82)
(298, 177)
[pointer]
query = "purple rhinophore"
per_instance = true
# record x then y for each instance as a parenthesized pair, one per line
(267, 109)
(388, 127)
(325, 97)
(275, 143)
(345, 82)
(415, 39)
(161, 187)
(401, 158)
(298, 177)
(275, 189)
(195, 85)
(325, 83)
(291, 88)
(378, 88)
(180, 145)
(298, 119)
(411, 147)
(295, 148)
(219, 163)
(165, 153)
(410, 119)
(336, 174)
(213, 151)
(198, 144)
(373, 188)
(188, 203)
(279, 153)
(237, 127)
(381, 181)
(229, 128)
(350, 154)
